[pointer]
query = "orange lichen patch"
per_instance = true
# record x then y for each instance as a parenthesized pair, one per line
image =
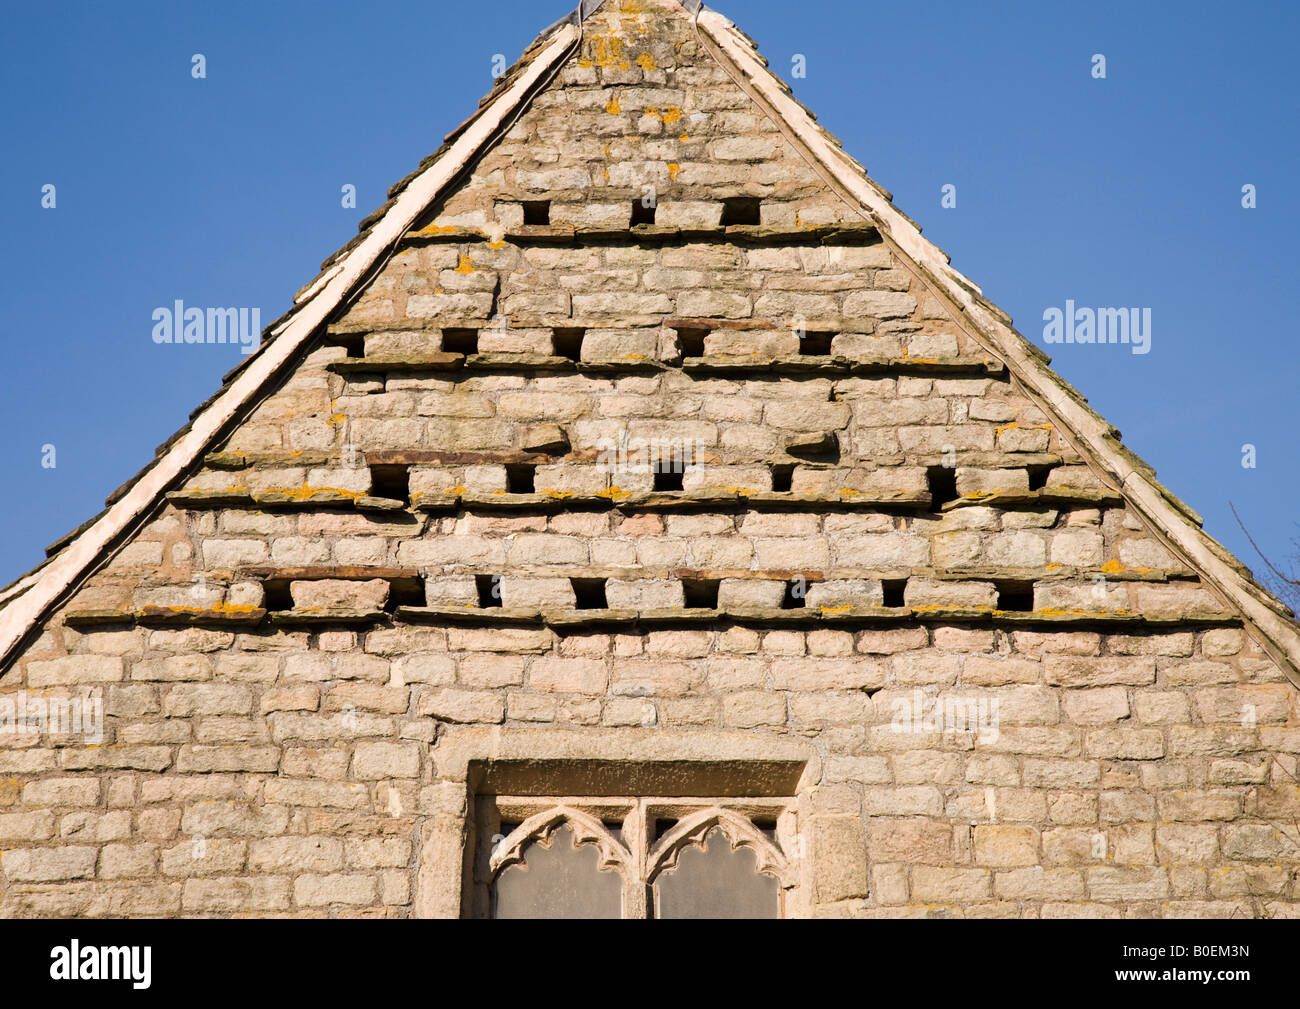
(613, 107)
(979, 495)
(645, 61)
(436, 229)
(214, 608)
(499, 493)
(558, 495)
(674, 170)
(836, 609)
(668, 115)
(497, 244)
(607, 53)
(1113, 567)
(849, 491)
(464, 266)
(296, 452)
(614, 493)
(306, 491)
(1053, 567)
(338, 418)
(684, 137)
(1027, 427)
(454, 490)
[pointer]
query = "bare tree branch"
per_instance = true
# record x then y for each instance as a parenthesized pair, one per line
(1289, 581)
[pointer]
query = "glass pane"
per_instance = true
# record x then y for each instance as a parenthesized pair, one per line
(558, 882)
(716, 882)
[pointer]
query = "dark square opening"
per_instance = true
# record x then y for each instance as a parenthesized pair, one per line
(1016, 597)
(691, 342)
(1038, 476)
(277, 598)
(816, 344)
(796, 595)
(895, 591)
(825, 450)
(460, 341)
(701, 593)
(405, 592)
(782, 477)
(391, 482)
(537, 212)
(641, 214)
(669, 474)
(521, 478)
(568, 343)
(942, 481)
(741, 210)
(589, 593)
(489, 590)
(353, 343)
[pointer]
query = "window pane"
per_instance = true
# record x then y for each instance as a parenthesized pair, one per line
(558, 882)
(716, 882)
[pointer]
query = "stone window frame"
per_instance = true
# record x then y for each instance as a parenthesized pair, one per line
(693, 767)
(637, 856)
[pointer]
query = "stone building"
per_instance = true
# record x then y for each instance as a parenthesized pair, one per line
(639, 517)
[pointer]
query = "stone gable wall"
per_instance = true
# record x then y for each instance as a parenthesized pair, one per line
(282, 648)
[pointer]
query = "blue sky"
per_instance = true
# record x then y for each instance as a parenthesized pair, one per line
(226, 191)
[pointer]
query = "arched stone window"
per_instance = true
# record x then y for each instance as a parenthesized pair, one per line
(635, 857)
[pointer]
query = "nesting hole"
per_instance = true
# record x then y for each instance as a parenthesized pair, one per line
(796, 595)
(589, 593)
(942, 481)
(782, 477)
(741, 210)
(1016, 597)
(460, 341)
(391, 482)
(701, 593)
(641, 214)
(489, 590)
(568, 343)
(1038, 476)
(895, 590)
(521, 478)
(691, 342)
(816, 344)
(537, 212)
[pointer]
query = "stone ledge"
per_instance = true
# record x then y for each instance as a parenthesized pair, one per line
(846, 232)
(836, 365)
(572, 620)
(1034, 499)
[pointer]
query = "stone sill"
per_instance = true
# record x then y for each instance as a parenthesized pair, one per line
(1048, 496)
(562, 620)
(436, 362)
(835, 365)
(202, 499)
(846, 233)
(557, 501)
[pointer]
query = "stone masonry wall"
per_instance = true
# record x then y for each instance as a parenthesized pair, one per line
(284, 644)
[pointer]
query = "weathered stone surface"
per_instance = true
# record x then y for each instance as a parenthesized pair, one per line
(846, 468)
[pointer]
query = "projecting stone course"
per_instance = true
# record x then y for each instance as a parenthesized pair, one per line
(437, 523)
